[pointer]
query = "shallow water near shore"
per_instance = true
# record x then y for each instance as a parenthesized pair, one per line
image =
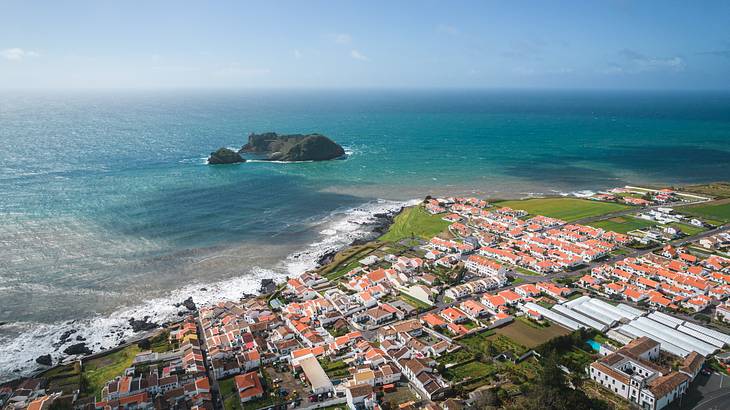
(108, 210)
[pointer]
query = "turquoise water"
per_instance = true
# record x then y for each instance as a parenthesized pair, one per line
(107, 205)
(594, 345)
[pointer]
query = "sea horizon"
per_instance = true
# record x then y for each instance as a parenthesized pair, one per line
(110, 211)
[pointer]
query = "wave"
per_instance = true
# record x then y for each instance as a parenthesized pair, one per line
(22, 342)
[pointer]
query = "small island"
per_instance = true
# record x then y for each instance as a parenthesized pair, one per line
(295, 147)
(225, 156)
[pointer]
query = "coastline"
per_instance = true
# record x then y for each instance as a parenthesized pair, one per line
(316, 256)
(106, 334)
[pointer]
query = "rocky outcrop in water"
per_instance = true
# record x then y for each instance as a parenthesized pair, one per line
(44, 360)
(225, 156)
(188, 303)
(295, 147)
(142, 325)
(78, 348)
(267, 286)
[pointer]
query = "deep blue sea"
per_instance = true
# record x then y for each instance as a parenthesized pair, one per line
(108, 209)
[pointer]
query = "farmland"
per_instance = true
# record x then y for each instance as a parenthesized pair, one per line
(718, 210)
(622, 224)
(567, 209)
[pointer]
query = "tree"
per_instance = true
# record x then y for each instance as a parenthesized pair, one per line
(551, 391)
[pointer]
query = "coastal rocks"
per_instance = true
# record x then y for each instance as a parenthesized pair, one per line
(267, 286)
(326, 257)
(295, 147)
(65, 337)
(76, 349)
(224, 156)
(44, 360)
(188, 304)
(142, 325)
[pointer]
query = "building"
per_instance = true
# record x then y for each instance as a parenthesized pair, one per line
(249, 386)
(313, 371)
(631, 373)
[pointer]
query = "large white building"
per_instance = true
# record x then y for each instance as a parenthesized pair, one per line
(631, 373)
(484, 266)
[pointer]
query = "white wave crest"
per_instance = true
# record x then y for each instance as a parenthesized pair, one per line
(22, 342)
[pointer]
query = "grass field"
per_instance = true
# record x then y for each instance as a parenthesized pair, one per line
(622, 224)
(414, 221)
(688, 229)
(530, 336)
(717, 189)
(719, 210)
(414, 302)
(227, 391)
(567, 209)
(468, 370)
(97, 372)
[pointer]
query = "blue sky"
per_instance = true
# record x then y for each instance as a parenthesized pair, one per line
(342, 44)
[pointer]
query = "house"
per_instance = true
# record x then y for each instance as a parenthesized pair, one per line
(631, 373)
(360, 396)
(510, 298)
(473, 308)
(527, 290)
(433, 321)
(697, 303)
(249, 386)
(484, 267)
(454, 315)
(722, 312)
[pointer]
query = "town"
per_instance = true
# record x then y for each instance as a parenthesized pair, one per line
(622, 298)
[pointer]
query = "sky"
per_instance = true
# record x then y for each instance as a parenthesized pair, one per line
(606, 44)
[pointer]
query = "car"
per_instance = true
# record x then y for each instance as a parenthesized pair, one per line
(706, 371)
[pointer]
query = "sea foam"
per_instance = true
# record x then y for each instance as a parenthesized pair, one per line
(22, 342)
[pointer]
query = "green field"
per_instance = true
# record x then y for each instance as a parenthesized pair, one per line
(717, 189)
(415, 221)
(567, 209)
(231, 401)
(622, 224)
(719, 210)
(96, 372)
(688, 229)
(468, 370)
(531, 336)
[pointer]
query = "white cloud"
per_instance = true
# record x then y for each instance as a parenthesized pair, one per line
(635, 62)
(358, 55)
(342, 38)
(17, 54)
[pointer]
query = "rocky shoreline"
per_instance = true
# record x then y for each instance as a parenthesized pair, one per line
(79, 349)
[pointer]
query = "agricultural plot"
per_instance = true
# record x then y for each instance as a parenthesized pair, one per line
(530, 336)
(567, 209)
(622, 224)
(718, 210)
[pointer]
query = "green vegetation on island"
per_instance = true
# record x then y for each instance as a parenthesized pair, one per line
(295, 147)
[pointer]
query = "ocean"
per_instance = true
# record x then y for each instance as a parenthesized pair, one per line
(109, 211)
